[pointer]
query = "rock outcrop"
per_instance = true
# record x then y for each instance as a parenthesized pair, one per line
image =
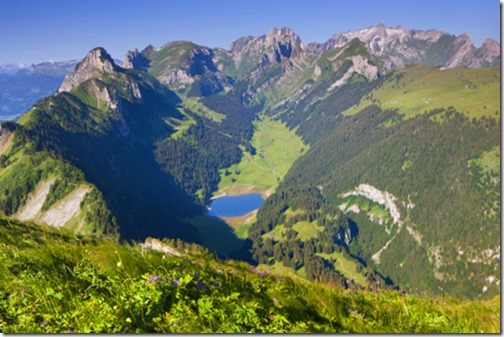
(96, 61)
(135, 60)
(398, 46)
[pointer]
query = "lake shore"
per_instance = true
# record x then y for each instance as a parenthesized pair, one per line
(238, 221)
(234, 190)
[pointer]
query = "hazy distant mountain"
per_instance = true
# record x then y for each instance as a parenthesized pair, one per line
(22, 86)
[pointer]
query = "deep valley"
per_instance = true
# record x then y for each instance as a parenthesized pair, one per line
(372, 159)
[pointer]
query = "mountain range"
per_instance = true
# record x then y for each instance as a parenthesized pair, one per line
(394, 136)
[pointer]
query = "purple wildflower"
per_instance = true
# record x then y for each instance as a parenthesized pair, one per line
(175, 282)
(215, 284)
(69, 331)
(155, 278)
(261, 273)
(44, 323)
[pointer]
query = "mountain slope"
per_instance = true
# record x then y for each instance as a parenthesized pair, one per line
(401, 177)
(56, 282)
(105, 122)
(399, 46)
(422, 188)
(183, 66)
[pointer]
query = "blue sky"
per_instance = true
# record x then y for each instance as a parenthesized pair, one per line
(35, 30)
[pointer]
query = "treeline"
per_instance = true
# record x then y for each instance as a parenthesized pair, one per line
(317, 117)
(195, 159)
(336, 235)
(424, 160)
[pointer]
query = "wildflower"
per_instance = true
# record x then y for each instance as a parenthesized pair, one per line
(44, 323)
(215, 284)
(128, 320)
(155, 278)
(261, 273)
(69, 331)
(252, 269)
(274, 299)
(175, 282)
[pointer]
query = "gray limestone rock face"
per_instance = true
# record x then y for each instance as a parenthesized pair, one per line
(97, 60)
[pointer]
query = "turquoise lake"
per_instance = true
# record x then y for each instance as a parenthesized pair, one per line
(236, 205)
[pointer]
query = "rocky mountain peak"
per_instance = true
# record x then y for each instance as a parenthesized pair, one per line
(278, 32)
(464, 39)
(99, 59)
(283, 36)
(96, 61)
(240, 44)
(489, 52)
(135, 60)
(280, 44)
(491, 46)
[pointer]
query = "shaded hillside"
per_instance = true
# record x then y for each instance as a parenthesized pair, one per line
(107, 126)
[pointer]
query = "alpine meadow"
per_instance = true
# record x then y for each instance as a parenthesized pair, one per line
(375, 157)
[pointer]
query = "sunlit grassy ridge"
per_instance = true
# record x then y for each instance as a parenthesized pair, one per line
(197, 107)
(418, 89)
(53, 281)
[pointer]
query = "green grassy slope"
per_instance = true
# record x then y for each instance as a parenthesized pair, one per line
(23, 171)
(54, 282)
(277, 148)
(418, 89)
(448, 174)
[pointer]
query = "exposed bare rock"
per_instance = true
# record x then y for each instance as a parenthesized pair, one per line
(488, 53)
(60, 213)
(5, 138)
(63, 211)
(155, 244)
(97, 61)
(360, 66)
(135, 60)
(398, 47)
(464, 50)
(33, 205)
